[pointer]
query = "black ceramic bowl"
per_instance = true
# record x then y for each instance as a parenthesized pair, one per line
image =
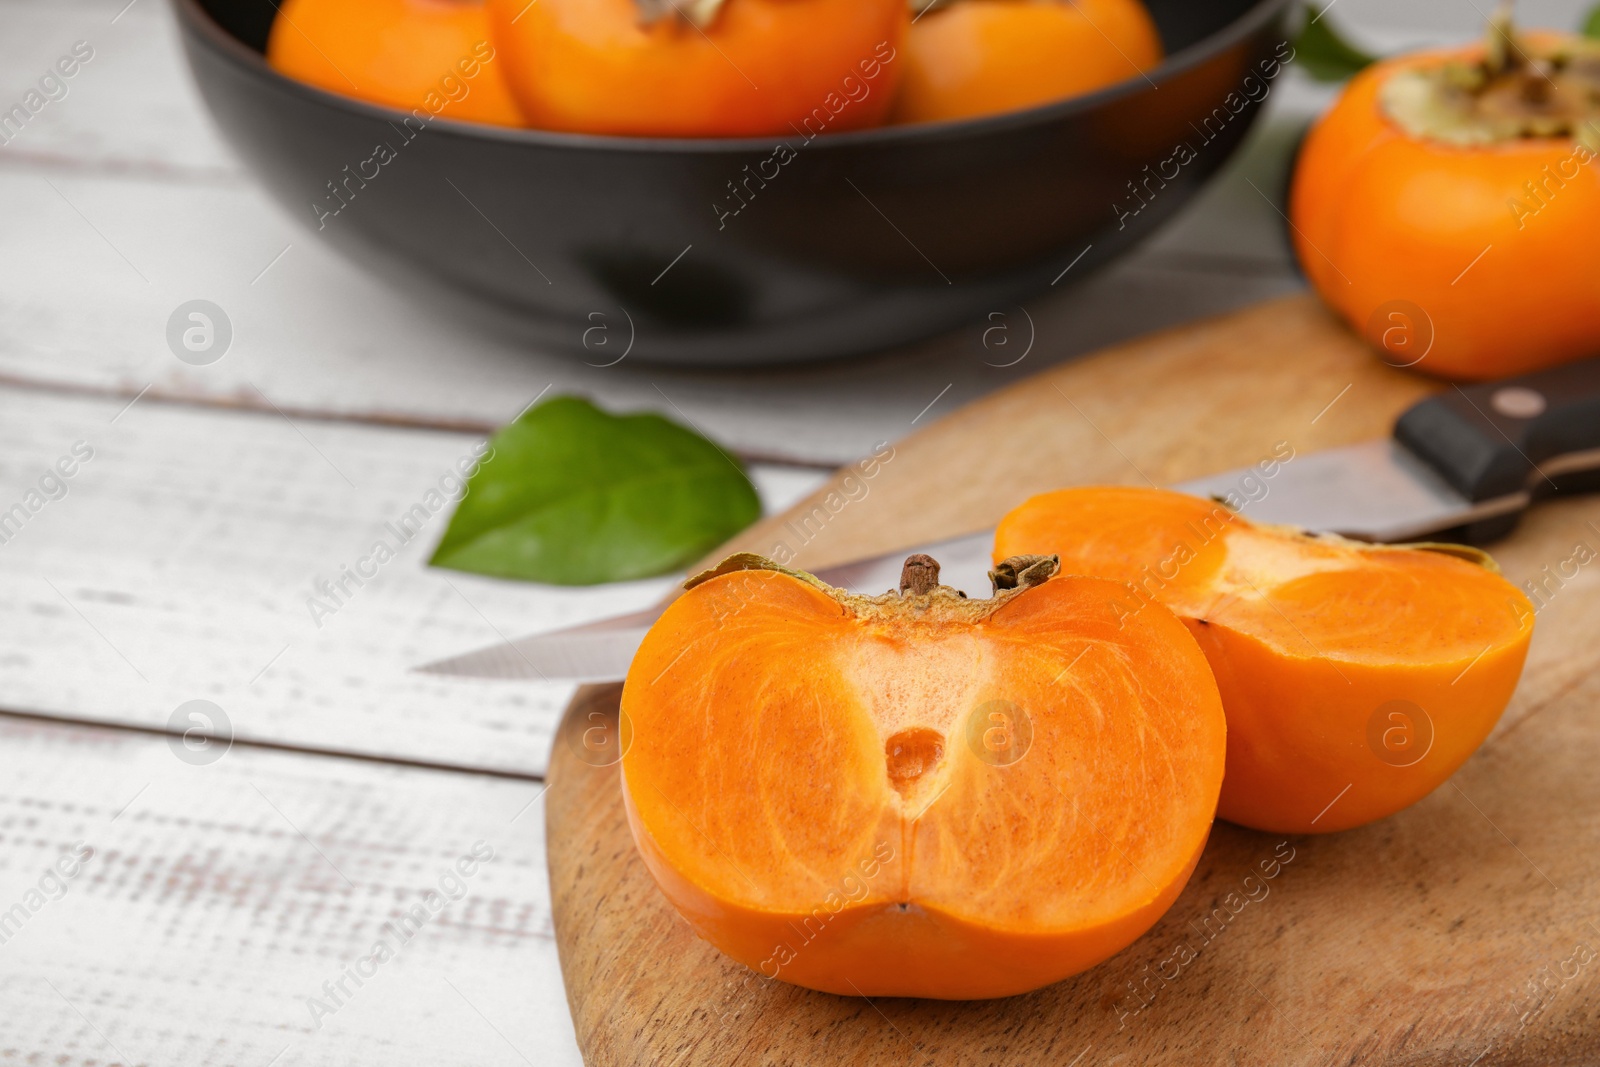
(861, 241)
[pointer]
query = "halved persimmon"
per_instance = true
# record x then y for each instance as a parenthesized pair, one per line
(702, 68)
(980, 57)
(433, 55)
(918, 794)
(1356, 677)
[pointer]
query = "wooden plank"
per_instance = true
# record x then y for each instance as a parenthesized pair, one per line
(202, 902)
(129, 108)
(180, 562)
(1459, 931)
(97, 265)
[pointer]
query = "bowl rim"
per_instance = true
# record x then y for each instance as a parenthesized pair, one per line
(197, 22)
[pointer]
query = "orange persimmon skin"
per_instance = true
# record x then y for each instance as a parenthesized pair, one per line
(1503, 273)
(983, 57)
(761, 791)
(761, 67)
(1331, 657)
(435, 55)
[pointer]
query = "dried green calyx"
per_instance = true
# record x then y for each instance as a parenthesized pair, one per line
(1517, 90)
(697, 13)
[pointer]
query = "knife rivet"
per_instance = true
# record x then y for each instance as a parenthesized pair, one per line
(1518, 402)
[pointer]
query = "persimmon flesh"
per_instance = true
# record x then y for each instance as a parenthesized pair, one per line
(702, 68)
(980, 57)
(918, 794)
(433, 55)
(1448, 206)
(1356, 678)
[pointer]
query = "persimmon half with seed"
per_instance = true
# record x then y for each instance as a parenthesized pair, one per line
(1356, 677)
(919, 794)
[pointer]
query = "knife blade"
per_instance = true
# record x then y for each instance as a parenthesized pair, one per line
(601, 651)
(1463, 465)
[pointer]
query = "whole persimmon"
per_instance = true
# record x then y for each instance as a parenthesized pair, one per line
(702, 68)
(918, 794)
(1356, 677)
(433, 55)
(980, 57)
(1448, 206)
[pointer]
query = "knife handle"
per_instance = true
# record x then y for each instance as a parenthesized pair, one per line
(1537, 434)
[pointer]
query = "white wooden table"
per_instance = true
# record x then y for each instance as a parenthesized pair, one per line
(227, 902)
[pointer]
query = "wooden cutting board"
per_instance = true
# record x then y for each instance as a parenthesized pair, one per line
(1460, 932)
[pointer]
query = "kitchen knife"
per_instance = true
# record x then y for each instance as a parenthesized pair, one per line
(1461, 465)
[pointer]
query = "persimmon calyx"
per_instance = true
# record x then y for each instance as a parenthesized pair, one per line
(1517, 90)
(1502, 50)
(698, 13)
(920, 575)
(1020, 572)
(919, 590)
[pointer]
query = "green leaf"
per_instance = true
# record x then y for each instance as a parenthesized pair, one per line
(1591, 22)
(1325, 55)
(571, 495)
